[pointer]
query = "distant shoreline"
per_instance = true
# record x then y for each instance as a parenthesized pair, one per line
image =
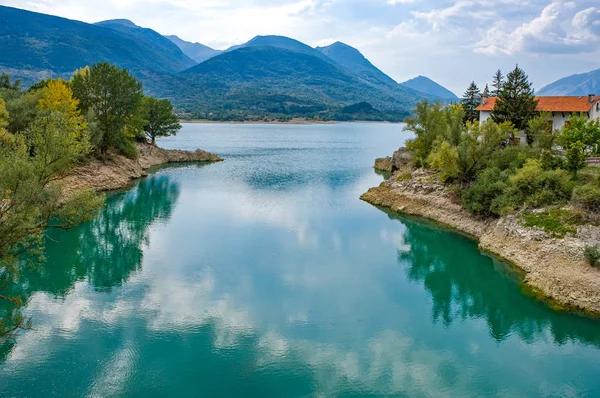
(293, 121)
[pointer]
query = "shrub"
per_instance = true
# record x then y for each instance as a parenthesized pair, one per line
(532, 186)
(510, 158)
(592, 254)
(490, 184)
(444, 158)
(587, 197)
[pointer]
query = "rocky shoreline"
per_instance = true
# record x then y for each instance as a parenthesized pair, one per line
(555, 268)
(117, 171)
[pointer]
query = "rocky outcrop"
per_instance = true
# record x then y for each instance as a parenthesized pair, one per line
(554, 267)
(117, 171)
(400, 159)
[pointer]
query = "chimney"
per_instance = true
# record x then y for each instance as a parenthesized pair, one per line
(591, 98)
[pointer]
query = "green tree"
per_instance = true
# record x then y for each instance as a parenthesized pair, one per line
(516, 101)
(497, 83)
(540, 131)
(112, 98)
(580, 138)
(428, 124)
(479, 144)
(160, 119)
(31, 199)
(444, 158)
(470, 101)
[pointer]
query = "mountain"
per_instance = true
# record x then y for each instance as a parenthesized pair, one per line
(274, 80)
(282, 42)
(428, 86)
(269, 75)
(351, 59)
(152, 40)
(35, 46)
(582, 84)
(196, 51)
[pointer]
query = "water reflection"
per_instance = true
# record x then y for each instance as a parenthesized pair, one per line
(463, 285)
(266, 276)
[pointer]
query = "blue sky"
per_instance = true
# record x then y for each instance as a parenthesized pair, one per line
(452, 42)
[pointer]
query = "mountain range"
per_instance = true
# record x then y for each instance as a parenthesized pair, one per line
(579, 85)
(268, 75)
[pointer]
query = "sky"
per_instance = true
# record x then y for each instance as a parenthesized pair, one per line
(451, 42)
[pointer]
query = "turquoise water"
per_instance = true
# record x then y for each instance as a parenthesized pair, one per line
(266, 276)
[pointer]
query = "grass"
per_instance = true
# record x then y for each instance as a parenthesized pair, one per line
(404, 177)
(556, 222)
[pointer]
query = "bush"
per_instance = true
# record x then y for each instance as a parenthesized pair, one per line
(587, 197)
(444, 158)
(592, 254)
(510, 158)
(534, 187)
(490, 184)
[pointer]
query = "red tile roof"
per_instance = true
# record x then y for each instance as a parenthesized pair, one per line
(551, 104)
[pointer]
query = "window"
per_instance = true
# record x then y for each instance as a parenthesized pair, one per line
(568, 123)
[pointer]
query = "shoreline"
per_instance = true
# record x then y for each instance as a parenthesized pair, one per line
(291, 122)
(554, 269)
(118, 172)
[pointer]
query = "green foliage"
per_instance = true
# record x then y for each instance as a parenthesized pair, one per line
(428, 124)
(471, 100)
(479, 144)
(480, 197)
(533, 187)
(444, 158)
(114, 97)
(588, 197)
(159, 117)
(497, 83)
(540, 130)
(576, 157)
(31, 200)
(580, 138)
(592, 254)
(557, 222)
(510, 158)
(516, 101)
(580, 129)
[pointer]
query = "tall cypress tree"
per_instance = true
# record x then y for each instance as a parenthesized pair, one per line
(516, 101)
(497, 83)
(470, 101)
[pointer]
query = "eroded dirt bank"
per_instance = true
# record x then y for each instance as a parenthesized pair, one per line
(556, 268)
(117, 171)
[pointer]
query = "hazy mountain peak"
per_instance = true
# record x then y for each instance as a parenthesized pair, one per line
(426, 85)
(196, 51)
(580, 84)
(123, 22)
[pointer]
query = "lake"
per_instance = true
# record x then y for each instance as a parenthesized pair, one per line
(266, 276)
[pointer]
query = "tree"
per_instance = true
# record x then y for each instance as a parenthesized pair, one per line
(160, 119)
(471, 100)
(580, 138)
(112, 98)
(478, 145)
(5, 83)
(428, 124)
(516, 102)
(497, 83)
(540, 130)
(31, 200)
